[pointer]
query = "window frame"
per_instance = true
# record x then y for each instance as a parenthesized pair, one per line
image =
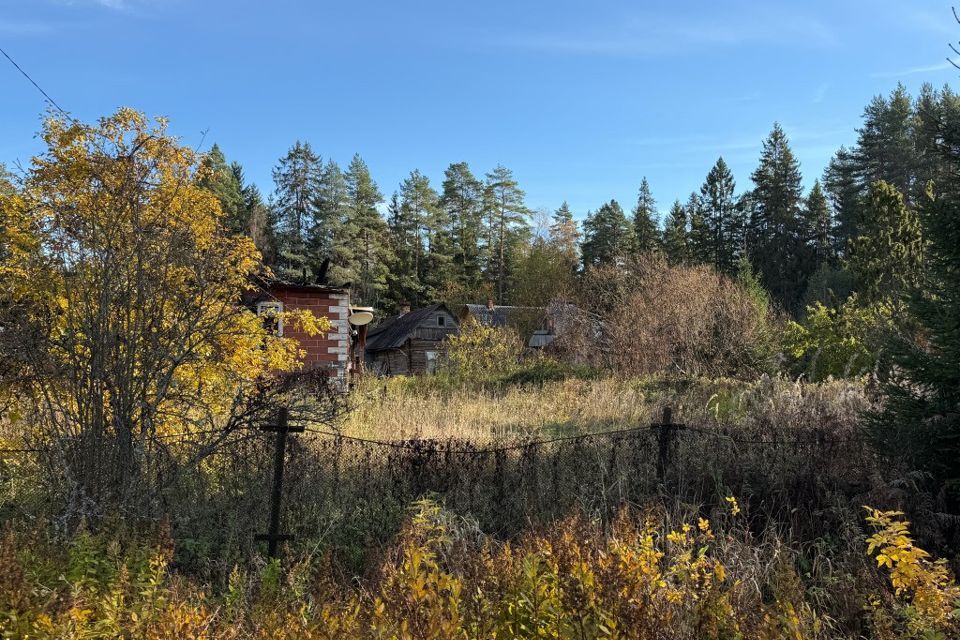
(274, 308)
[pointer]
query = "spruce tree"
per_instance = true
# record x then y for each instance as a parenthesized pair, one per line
(297, 179)
(507, 216)
(721, 217)
(777, 246)
(920, 421)
(700, 240)
(606, 236)
(842, 184)
(646, 237)
(219, 178)
(886, 257)
(564, 235)
(818, 225)
(676, 236)
(886, 145)
(330, 203)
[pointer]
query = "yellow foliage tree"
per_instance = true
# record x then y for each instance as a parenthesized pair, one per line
(121, 316)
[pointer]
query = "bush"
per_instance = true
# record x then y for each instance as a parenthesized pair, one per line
(480, 352)
(645, 317)
(838, 342)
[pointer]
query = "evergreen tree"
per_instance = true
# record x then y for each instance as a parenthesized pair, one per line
(886, 147)
(361, 244)
(886, 257)
(777, 246)
(331, 204)
(700, 240)
(416, 209)
(646, 237)
(403, 284)
(606, 236)
(919, 420)
(721, 217)
(564, 235)
(818, 224)
(297, 181)
(219, 178)
(462, 200)
(843, 188)
(676, 236)
(507, 220)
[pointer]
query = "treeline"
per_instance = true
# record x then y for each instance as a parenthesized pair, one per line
(475, 236)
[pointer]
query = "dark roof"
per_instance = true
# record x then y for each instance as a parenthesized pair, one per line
(499, 316)
(394, 331)
(278, 284)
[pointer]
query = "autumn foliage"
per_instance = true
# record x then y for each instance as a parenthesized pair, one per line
(120, 315)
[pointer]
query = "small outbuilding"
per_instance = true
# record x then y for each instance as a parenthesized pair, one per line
(410, 343)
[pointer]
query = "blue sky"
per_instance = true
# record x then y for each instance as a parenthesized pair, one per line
(580, 99)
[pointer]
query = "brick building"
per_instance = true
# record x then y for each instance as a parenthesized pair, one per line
(331, 351)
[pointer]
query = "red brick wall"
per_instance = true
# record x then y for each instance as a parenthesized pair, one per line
(330, 350)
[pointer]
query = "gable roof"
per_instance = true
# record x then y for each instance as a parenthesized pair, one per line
(394, 331)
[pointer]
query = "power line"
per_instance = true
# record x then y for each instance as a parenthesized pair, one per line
(34, 83)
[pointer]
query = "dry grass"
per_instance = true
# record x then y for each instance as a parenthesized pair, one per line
(405, 408)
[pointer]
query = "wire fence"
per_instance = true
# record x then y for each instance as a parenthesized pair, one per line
(353, 492)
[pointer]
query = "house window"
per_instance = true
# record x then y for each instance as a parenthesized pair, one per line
(441, 320)
(431, 361)
(270, 312)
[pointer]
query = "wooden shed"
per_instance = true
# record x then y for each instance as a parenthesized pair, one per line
(411, 343)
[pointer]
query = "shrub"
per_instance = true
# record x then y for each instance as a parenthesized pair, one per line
(646, 317)
(837, 342)
(481, 352)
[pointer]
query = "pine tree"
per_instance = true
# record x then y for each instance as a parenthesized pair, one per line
(919, 420)
(721, 217)
(219, 178)
(886, 257)
(416, 208)
(403, 284)
(818, 225)
(777, 247)
(462, 200)
(507, 216)
(646, 236)
(361, 243)
(675, 235)
(297, 181)
(606, 236)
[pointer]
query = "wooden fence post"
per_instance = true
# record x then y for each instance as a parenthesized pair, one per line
(282, 428)
(665, 429)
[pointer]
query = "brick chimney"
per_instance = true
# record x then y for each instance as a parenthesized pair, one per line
(404, 308)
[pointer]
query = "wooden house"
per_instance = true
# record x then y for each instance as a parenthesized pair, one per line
(411, 343)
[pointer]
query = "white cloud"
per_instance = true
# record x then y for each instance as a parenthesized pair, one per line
(648, 34)
(931, 68)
